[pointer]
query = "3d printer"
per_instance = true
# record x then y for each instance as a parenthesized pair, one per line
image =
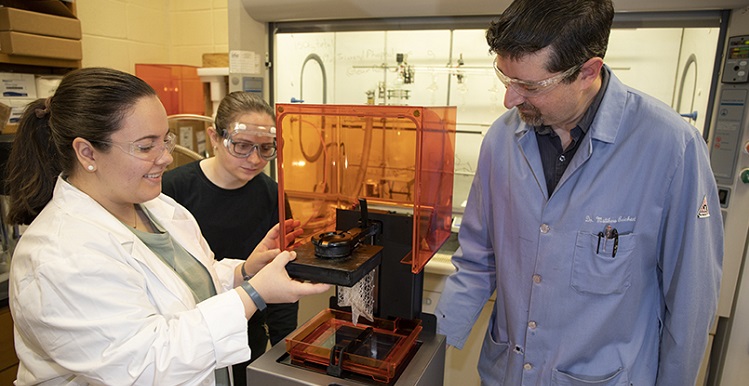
(372, 186)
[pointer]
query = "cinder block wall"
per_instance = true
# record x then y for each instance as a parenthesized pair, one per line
(121, 33)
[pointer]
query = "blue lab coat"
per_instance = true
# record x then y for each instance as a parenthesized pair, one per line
(567, 312)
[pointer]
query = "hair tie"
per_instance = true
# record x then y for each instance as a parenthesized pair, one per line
(40, 113)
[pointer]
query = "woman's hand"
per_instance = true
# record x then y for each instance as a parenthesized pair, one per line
(268, 248)
(275, 286)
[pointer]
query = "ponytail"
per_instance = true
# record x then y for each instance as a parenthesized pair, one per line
(32, 165)
(89, 103)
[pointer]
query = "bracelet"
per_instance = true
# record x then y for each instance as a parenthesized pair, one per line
(254, 295)
(245, 276)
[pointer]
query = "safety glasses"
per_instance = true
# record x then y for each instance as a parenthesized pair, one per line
(528, 89)
(146, 149)
(244, 138)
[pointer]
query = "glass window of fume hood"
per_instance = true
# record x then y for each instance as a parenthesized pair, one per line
(453, 67)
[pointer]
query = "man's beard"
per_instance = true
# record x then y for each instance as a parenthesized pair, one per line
(530, 114)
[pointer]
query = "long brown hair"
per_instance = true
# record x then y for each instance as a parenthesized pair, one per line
(89, 103)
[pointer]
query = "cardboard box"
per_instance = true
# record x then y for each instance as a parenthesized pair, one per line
(46, 85)
(18, 20)
(216, 60)
(17, 106)
(16, 85)
(23, 44)
(10, 128)
(192, 134)
(4, 116)
(51, 7)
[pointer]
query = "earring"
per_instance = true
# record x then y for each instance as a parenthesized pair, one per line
(90, 168)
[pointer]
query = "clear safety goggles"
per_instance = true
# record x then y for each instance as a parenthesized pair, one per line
(242, 138)
(529, 89)
(146, 149)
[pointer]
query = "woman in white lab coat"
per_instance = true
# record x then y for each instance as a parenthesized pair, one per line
(112, 282)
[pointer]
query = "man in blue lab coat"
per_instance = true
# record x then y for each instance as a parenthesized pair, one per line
(593, 214)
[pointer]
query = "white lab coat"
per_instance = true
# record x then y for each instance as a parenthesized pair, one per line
(93, 305)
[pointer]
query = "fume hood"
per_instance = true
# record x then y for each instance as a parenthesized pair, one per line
(355, 51)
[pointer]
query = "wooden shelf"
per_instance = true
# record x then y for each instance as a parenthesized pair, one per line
(36, 65)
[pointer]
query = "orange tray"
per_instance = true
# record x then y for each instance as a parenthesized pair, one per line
(375, 349)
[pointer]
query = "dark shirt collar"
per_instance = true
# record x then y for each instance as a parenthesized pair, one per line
(590, 113)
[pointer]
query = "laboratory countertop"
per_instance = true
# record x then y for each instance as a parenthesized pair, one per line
(440, 263)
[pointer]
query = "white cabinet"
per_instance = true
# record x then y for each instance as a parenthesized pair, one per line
(460, 365)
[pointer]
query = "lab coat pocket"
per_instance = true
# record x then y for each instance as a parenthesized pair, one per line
(617, 378)
(493, 359)
(596, 269)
